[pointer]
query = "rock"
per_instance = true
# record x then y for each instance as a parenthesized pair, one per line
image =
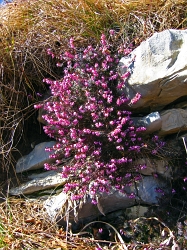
(158, 69)
(154, 166)
(42, 175)
(36, 158)
(151, 122)
(54, 204)
(145, 193)
(173, 121)
(50, 180)
(136, 211)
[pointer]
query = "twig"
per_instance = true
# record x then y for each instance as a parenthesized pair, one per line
(183, 138)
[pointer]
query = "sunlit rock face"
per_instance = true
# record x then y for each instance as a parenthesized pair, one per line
(158, 69)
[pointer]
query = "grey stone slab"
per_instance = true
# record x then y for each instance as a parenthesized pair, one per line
(36, 158)
(52, 180)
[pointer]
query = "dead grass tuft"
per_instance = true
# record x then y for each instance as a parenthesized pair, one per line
(24, 225)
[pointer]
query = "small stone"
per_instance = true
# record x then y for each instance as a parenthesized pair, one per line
(173, 121)
(152, 122)
(36, 158)
(52, 180)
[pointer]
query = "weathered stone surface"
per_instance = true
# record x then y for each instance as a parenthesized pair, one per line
(173, 121)
(50, 180)
(54, 204)
(151, 122)
(144, 190)
(158, 69)
(154, 166)
(42, 175)
(36, 158)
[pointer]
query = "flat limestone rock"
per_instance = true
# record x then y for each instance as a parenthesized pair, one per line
(51, 180)
(158, 69)
(36, 158)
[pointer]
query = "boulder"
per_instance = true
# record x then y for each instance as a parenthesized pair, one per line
(36, 158)
(47, 180)
(158, 70)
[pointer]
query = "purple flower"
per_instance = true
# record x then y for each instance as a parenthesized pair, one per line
(132, 196)
(47, 166)
(128, 175)
(140, 129)
(94, 202)
(154, 151)
(135, 99)
(125, 76)
(173, 191)
(112, 32)
(71, 43)
(159, 190)
(119, 147)
(155, 138)
(39, 94)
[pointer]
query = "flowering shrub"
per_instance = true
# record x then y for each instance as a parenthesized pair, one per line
(86, 116)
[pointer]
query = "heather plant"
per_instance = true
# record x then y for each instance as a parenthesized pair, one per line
(87, 118)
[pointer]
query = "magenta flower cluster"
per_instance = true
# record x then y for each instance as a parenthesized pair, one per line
(87, 118)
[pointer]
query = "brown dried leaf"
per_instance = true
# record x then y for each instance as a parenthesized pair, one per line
(30, 220)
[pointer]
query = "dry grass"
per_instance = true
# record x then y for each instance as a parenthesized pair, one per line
(27, 29)
(24, 225)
